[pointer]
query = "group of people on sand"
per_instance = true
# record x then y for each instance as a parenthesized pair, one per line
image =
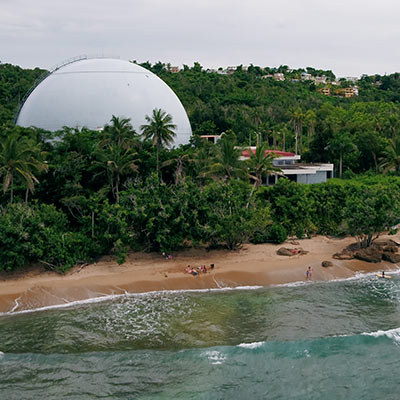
(195, 271)
(166, 256)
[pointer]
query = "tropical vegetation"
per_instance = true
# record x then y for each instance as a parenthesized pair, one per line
(72, 196)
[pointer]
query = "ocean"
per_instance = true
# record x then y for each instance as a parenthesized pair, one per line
(328, 340)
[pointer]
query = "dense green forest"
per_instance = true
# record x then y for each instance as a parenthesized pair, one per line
(357, 130)
(89, 193)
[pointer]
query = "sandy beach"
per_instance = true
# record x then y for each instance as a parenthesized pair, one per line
(253, 265)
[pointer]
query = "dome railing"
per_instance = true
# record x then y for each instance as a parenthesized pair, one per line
(56, 67)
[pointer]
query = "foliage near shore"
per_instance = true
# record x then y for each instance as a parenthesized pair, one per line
(74, 214)
(86, 194)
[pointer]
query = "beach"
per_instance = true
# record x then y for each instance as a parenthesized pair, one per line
(252, 265)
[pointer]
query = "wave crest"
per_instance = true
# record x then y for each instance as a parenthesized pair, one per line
(253, 345)
(393, 334)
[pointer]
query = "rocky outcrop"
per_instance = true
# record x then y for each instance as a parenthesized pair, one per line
(379, 250)
(342, 256)
(370, 254)
(391, 257)
(285, 251)
(327, 264)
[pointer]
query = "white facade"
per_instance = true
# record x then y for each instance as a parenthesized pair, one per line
(291, 168)
(86, 93)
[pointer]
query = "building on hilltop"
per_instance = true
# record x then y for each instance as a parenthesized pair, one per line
(342, 92)
(326, 91)
(279, 76)
(292, 169)
(347, 92)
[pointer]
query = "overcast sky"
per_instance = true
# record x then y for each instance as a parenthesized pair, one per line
(351, 37)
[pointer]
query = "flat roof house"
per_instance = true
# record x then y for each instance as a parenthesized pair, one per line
(292, 169)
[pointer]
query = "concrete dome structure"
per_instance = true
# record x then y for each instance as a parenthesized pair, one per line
(87, 92)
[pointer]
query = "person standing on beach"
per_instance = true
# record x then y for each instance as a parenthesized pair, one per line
(309, 273)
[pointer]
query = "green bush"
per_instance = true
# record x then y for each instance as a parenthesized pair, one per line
(40, 234)
(277, 233)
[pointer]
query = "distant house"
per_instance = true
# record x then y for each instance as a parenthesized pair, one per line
(352, 79)
(320, 79)
(326, 91)
(306, 77)
(279, 76)
(292, 169)
(211, 138)
(174, 70)
(347, 92)
(342, 92)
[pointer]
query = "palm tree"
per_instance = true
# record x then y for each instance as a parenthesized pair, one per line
(311, 121)
(297, 118)
(116, 161)
(202, 160)
(179, 171)
(159, 129)
(226, 163)
(119, 132)
(391, 157)
(20, 157)
(340, 145)
(260, 164)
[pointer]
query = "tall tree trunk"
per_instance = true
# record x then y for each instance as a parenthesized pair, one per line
(255, 184)
(26, 196)
(158, 169)
(340, 165)
(117, 188)
(375, 162)
(284, 141)
(92, 224)
(12, 188)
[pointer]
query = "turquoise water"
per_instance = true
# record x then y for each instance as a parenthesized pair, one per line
(337, 340)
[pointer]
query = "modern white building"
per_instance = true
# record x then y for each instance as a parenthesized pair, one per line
(87, 92)
(293, 169)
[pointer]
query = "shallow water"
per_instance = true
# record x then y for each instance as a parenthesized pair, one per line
(311, 341)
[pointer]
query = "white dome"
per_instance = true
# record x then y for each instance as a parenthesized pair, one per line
(88, 92)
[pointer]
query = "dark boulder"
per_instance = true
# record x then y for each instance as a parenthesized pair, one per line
(327, 264)
(370, 254)
(391, 257)
(342, 256)
(284, 251)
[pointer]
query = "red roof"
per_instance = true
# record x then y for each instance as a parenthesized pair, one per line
(246, 153)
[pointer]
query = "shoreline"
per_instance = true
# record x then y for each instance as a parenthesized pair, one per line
(253, 265)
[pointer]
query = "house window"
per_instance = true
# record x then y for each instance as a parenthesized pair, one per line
(271, 179)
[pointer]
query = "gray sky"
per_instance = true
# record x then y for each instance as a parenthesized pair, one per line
(351, 37)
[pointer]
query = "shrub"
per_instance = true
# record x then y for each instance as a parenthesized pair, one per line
(277, 233)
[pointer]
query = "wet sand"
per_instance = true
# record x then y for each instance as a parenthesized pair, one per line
(253, 265)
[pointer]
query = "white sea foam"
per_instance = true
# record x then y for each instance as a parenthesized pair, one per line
(393, 334)
(253, 345)
(221, 288)
(214, 356)
(357, 276)
(291, 284)
(109, 297)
